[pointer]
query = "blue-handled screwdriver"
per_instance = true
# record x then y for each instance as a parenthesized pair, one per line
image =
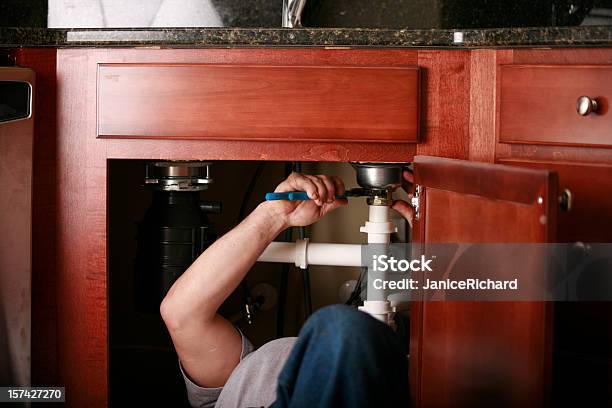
(303, 196)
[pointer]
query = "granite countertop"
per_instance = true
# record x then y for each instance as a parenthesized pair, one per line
(318, 37)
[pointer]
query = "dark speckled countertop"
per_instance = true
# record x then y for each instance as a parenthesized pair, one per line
(318, 37)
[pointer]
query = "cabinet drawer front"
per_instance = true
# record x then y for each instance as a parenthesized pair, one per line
(378, 104)
(538, 104)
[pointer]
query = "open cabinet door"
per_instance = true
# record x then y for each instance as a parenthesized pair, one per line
(472, 353)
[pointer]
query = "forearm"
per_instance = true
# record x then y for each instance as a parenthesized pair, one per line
(205, 285)
(208, 345)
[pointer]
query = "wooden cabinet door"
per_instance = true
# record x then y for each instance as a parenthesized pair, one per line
(472, 353)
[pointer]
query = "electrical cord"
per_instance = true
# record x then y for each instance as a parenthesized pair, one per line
(282, 291)
(355, 299)
(306, 283)
(246, 295)
(305, 272)
(249, 190)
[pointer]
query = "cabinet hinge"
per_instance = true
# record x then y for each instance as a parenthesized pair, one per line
(415, 201)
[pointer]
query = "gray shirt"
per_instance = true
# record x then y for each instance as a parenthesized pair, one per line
(253, 381)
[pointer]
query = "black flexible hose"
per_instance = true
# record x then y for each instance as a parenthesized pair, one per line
(305, 272)
(355, 298)
(246, 295)
(306, 283)
(282, 291)
(249, 190)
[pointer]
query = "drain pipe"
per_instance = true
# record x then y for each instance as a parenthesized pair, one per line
(303, 253)
(378, 180)
(379, 229)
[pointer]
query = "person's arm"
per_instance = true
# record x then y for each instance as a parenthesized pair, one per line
(208, 346)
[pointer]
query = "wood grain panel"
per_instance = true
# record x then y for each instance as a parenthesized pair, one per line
(583, 330)
(257, 150)
(482, 114)
(482, 353)
(538, 105)
(444, 103)
(81, 236)
(483, 102)
(562, 56)
(481, 179)
(586, 155)
(365, 57)
(565, 56)
(249, 102)
(590, 218)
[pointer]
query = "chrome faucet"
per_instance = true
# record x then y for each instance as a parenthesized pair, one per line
(292, 13)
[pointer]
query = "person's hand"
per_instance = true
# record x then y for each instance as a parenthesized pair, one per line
(401, 206)
(321, 190)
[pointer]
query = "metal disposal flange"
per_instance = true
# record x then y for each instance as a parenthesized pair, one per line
(178, 175)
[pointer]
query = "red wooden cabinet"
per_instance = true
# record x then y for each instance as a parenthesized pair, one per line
(551, 135)
(399, 103)
(86, 76)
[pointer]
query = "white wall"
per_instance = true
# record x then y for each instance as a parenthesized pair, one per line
(132, 13)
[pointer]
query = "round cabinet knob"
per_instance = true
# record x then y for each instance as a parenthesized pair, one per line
(586, 105)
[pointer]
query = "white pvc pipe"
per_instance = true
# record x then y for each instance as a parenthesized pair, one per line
(279, 252)
(334, 254)
(378, 213)
(380, 310)
(302, 253)
(378, 227)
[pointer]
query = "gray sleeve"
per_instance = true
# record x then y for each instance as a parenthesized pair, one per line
(200, 397)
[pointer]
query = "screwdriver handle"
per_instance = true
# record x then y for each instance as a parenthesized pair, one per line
(290, 195)
(297, 196)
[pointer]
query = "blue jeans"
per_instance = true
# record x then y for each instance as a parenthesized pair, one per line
(344, 358)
